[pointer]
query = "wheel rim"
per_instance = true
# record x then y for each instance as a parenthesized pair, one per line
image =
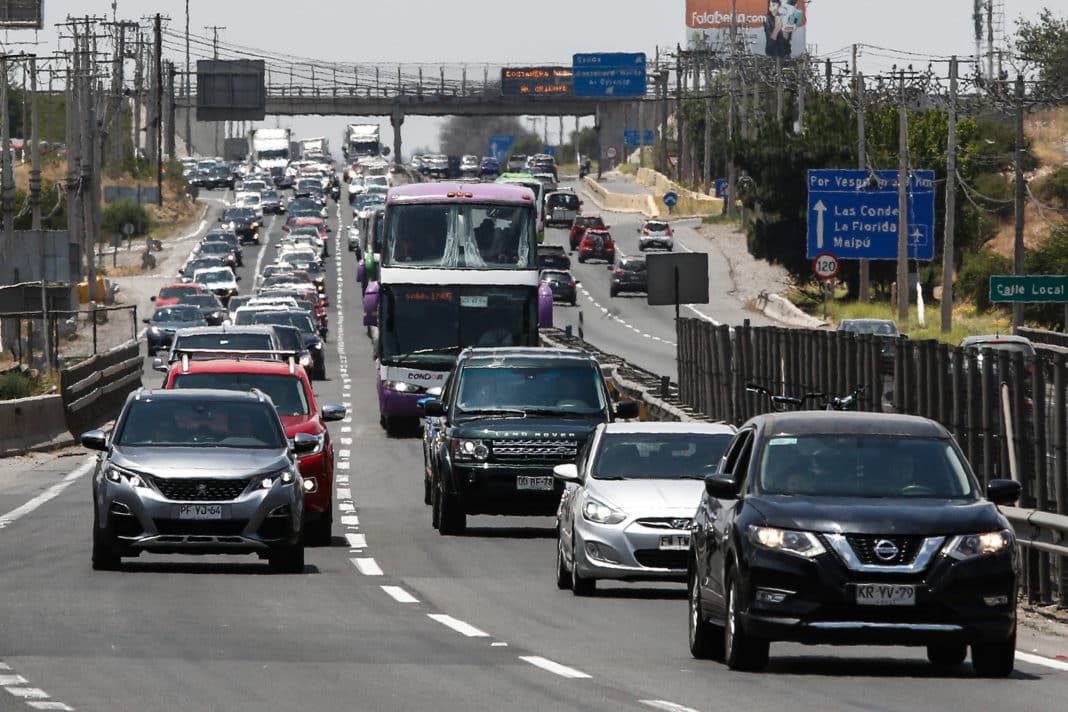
(694, 610)
(730, 618)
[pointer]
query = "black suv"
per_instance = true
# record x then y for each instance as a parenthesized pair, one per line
(243, 222)
(553, 257)
(631, 274)
(505, 418)
(852, 528)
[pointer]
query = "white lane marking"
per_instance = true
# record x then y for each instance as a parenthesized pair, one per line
(49, 705)
(346, 441)
(265, 244)
(4, 666)
(350, 520)
(667, 706)
(367, 567)
(346, 428)
(498, 644)
(6, 680)
(356, 541)
(346, 506)
(344, 454)
(342, 479)
(399, 595)
(28, 693)
(704, 316)
(344, 493)
(49, 494)
(1040, 660)
(343, 464)
(458, 625)
(554, 667)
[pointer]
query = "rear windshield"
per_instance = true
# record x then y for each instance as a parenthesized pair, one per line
(183, 313)
(172, 292)
(659, 456)
(233, 342)
(286, 391)
(170, 422)
(1010, 346)
(656, 226)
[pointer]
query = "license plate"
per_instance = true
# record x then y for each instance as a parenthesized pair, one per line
(525, 482)
(885, 594)
(675, 542)
(201, 511)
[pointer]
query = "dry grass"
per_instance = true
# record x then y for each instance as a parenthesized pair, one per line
(1048, 131)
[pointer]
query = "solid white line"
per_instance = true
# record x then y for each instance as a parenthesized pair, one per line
(554, 667)
(367, 567)
(704, 316)
(265, 245)
(665, 705)
(1041, 660)
(350, 520)
(458, 625)
(28, 693)
(49, 494)
(399, 595)
(357, 541)
(50, 705)
(6, 680)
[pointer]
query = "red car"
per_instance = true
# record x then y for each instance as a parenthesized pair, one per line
(287, 384)
(597, 245)
(171, 294)
(578, 228)
(300, 221)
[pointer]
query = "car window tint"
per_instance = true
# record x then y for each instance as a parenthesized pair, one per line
(165, 422)
(659, 455)
(285, 391)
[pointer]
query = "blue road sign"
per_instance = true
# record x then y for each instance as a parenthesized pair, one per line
(549, 150)
(671, 199)
(609, 75)
(647, 139)
(721, 187)
(499, 146)
(634, 138)
(854, 219)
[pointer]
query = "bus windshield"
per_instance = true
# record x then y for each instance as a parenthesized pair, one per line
(428, 324)
(458, 236)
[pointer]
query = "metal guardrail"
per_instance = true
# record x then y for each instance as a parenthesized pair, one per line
(1035, 529)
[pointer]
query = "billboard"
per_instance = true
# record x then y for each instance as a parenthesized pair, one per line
(536, 81)
(774, 28)
(231, 90)
(22, 14)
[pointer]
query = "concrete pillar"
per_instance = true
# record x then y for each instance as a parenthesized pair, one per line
(396, 119)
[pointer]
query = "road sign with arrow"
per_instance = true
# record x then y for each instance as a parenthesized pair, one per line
(854, 214)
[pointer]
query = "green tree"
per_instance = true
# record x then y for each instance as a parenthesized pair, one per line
(527, 144)
(1051, 258)
(973, 280)
(1044, 43)
(1053, 188)
(116, 215)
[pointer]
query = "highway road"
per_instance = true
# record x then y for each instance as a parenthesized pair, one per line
(393, 616)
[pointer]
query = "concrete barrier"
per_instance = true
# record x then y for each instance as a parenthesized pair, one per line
(28, 423)
(618, 202)
(784, 311)
(690, 203)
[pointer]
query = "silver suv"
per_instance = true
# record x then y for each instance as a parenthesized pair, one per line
(198, 472)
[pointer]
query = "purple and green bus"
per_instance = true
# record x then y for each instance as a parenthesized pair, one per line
(458, 268)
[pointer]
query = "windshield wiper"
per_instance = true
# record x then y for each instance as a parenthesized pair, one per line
(401, 358)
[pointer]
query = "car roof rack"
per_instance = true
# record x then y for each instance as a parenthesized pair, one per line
(237, 355)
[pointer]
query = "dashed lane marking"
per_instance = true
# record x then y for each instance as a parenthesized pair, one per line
(399, 595)
(367, 566)
(350, 520)
(458, 625)
(28, 693)
(6, 680)
(343, 464)
(356, 541)
(554, 667)
(667, 706)
(49, 705)
(344, 493)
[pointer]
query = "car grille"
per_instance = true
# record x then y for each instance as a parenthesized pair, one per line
(187, 527)
(674, 523)
(656, 559)
(200, 489)
(864, 547)
(533, 450)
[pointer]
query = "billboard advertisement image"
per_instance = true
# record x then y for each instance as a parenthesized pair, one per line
(774, 28)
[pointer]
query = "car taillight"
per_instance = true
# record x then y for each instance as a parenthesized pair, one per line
(618, 273)
(571, 284)
(670, 232)
(645, 231)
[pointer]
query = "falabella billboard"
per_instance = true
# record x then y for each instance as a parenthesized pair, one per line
(775, 28)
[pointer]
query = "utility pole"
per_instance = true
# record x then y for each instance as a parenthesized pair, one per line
(117, 79)
(802, 76)
(35, 201)
(7, 183)
(707, 165)
(864, 286)
(138, 98)
(680, 122)
(951, 202)
(171, 72)
(902, 207)
(732, 111)
(159, 103)
(1018, 242)
(215, 37)
(990, 41)
(188, 78)
(85, 123)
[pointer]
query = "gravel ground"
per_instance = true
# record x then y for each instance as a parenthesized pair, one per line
(751, 276)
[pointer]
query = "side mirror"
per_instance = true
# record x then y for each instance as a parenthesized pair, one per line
(628, 410)
(152, 298)
(721, 486)
(434, 408)
(304, 443)
(95, 440)
(1003, 491)
(237, 278)
(568, 472)
(146, 321)
(333, 411)
(159, 364)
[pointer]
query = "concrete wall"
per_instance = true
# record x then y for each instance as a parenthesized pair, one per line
(27, 422)
(619, 202)
(208, 136)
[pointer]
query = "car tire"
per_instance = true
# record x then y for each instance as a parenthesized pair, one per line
(435, 506)
(582, 259)
(428, 496)
(995, 659)
(574, 302)
(740, 650)
(392, 425)
(287, 559)
(563, 576)
(320, 531)
(580, 586)
(947, 655)
(105, 558)
(613, 292)
(452, 520)
(706, 640)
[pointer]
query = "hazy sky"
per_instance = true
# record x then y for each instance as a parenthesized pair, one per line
(527, 32)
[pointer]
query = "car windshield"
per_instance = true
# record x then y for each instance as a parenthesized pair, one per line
(214, 248)
(460, 235)
(1010, 346)
(863, 466)
(656, 226)
(170, 422)
(239, 214)
(555, 277)
(179, 313)
(289, 337)
(202, 300)
(880, 328)
(288, 318)
(285, 391)
(176, 292)
(557, 388)
(658, 456)
(206, 276)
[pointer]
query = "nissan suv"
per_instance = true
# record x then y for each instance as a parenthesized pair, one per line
(198, 472)
(505, 418)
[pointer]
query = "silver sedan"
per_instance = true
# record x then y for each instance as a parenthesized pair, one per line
(629, 501)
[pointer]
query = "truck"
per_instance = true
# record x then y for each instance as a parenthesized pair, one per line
(314, 148)
(269, 148)
(361, 140)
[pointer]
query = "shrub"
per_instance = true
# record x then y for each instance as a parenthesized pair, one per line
(117, 214)
(973, 280)
(1053, 188)
(999, 192)
(15, 385)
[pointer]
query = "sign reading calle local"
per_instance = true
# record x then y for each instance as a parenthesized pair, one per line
(854, 214)
(1029, 288)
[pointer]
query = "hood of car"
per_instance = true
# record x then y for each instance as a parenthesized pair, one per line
(302, 424)
(649, 496)
(195, 462)
(546, 428)
(844, 515)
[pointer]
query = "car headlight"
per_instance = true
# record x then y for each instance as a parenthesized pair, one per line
(402, 387)
(285, 476)
(786, 540)
(597, 511)
(154, 330)
(970, 546)
(119, 475)
(318, 345)
(464, 449)
(305, 360)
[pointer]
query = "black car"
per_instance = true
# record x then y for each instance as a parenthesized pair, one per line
(166, 320)
(281, 177)
(309, 331)
(220, 249)
(210, 307)
(244, 222)
(553, 257)
(220, 177)
(505, 418)
(563, 285)
(220, 235)
(201, 177)
(852, 528)
(630, 275)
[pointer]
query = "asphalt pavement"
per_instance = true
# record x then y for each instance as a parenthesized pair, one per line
(394, 616)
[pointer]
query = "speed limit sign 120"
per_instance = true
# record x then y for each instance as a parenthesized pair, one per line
(825, 266)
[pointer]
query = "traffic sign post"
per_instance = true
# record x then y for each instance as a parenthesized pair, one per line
(855, 213)
(671, 199)
(1032, 288)
(609, 75)
(825, 265)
